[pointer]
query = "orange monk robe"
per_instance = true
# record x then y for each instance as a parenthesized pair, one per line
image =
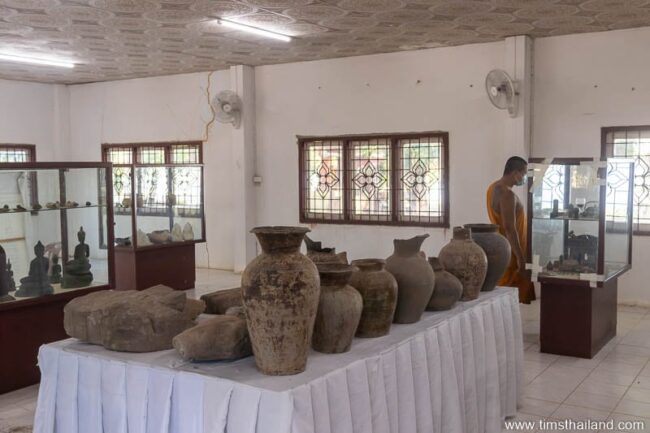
(512, 277)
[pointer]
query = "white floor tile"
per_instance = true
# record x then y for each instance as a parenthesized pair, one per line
(542, 408)
(576, 413)
(606, 376)
(631, 407)
(600, 388)
(638, 394)
(592, 401)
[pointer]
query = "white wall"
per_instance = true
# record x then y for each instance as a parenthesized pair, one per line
(582, 83)
(28, 115)
(373, 94)
(170, 108)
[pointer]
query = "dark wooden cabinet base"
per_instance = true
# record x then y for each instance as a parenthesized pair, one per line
(171, 265)
(24, 327)
(576, 319)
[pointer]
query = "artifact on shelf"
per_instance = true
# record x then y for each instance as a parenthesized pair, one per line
(215, 339)
(10, 277)
(36, 206)
(281, 290)
(160, 236)
(19, 208)
(123, 242)
(37, 282)
(52, 205)
(339, 309)
(497, 250)
(55, 276)
(319, 254)
(71, 204)
(171, 199)
(463, 258)
(142, 238)
(415, 278)
(220, 301)
(139, 200)
(129, 320)
(177, 233)
(378, 289)
(448, 289)
(188, 232)
(88, 203)
(126, 202)
(5, 209)
(77, 271)
(5, 287)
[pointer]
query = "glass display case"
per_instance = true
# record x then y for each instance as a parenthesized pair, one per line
(580, 219)
(50, 235)
(159, 217)
(56, 244)
(580, 242)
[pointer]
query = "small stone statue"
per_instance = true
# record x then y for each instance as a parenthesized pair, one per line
(10, 277)
(37, 282)
(4, 278)
(77, 271)
(55, 277)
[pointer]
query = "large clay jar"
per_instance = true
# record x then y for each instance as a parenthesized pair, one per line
(497, 249)
(463, 258)
(280, 292)
(339, 309)
(415, 278)
(318, 254)
(448, 288)
(378, 289)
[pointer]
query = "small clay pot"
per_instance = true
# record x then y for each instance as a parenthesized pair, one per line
(339, 310)
(463, 258)
(448, 289)
(378, 288)
(415, 279)
(497, 249)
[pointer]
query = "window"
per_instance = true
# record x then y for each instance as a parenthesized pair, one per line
(160, 184)
(17, 153)
(392, 179)
(633, 142)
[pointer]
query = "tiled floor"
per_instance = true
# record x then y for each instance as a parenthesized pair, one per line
(614, 385)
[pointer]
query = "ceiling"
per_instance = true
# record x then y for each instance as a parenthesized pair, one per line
(118, 39)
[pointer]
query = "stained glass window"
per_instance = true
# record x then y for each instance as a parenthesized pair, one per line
(381, 179)
(633, 143)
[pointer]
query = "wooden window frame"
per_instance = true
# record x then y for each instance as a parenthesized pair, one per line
(604, 131)
(394, 219)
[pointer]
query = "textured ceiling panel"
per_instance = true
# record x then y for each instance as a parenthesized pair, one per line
(118, 39)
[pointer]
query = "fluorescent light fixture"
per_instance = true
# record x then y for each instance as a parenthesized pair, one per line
(35, 60)
(255, 30)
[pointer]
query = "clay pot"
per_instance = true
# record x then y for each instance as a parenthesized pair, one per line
(415, 278)
(448, 288)
(463, 258)
(378, 290)
(318, 254)
(280, 292)
(339, 309)
(497, 249)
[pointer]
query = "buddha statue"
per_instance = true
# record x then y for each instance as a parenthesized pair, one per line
(4, 278)
(10, 277)
(37, 282)
(55, 276)
(76, 272)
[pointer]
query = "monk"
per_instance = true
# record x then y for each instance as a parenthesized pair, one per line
(505, 210)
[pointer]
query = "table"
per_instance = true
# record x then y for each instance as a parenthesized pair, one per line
(454, 371)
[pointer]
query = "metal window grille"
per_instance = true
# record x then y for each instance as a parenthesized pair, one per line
(15, 154)
(151, 155)
(380, 179)
(632, 143)
(185, 154)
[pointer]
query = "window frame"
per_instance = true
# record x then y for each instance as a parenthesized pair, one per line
(31, 153)
(395, 158)
(133, 147)
(604, 131)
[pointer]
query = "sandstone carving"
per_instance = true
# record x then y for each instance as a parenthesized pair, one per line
(216, 339)
(219, 302)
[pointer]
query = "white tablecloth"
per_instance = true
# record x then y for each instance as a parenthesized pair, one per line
(454, 371)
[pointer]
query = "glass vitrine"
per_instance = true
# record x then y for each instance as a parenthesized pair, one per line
(51, 236)
(580, 219)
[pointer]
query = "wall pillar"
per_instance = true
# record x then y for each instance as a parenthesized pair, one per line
(242, 81)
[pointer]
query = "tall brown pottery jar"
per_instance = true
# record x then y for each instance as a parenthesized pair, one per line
(448, 289)
(415, 278)
(497, 249)
(378, 289)
(463, 258)
(339, 309)
(319, 254)
(280, 292)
